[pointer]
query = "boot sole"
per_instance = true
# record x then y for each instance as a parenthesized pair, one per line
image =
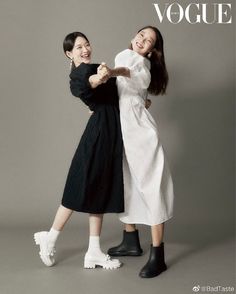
(130, 253)
(152, 276)
(93, 264)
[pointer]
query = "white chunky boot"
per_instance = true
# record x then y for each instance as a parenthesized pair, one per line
(103, 260)
(47, 249)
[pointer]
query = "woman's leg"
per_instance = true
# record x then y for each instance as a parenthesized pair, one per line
(95, 224)
(156, 262)
(47, 240)
(95, 227)
(61, 218)
(157, 232)
(130, 227)
(94, 255)
(130, 245)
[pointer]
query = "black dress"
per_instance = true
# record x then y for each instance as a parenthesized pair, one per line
(95, 180)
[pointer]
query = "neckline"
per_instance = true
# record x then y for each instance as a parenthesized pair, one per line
(141, 57)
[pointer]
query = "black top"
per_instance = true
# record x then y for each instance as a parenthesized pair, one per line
(93, 98)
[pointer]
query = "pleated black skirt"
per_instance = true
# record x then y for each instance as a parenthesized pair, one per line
(95, 180)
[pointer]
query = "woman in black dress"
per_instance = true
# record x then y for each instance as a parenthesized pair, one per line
(95, 180)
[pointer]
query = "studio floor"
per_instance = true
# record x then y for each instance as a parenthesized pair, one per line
(192, 262)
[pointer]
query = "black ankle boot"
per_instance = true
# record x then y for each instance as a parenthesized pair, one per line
(130, 245)
(156, 263)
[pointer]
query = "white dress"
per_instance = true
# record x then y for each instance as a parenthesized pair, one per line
(148, 185)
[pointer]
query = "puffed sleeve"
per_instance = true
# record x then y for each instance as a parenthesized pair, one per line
(79, 83)
(139, 67)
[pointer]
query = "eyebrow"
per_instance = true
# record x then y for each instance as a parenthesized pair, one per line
(80, 44)
(149, 37)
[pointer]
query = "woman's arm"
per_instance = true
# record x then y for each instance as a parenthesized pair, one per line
(115, 72)
(120, 71)
(96, 80)
(103, 74)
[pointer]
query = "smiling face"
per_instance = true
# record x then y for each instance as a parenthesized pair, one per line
(144, 41)
(81, 51)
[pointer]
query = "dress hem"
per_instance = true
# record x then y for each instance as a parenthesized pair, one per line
(89, 211)
(145, 223)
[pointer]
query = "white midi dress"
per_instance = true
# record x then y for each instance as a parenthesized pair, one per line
(148, 186)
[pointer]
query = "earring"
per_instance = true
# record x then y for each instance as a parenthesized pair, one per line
(149, 55)
(71, 63)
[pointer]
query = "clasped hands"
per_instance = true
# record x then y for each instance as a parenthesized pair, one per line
(103, 72)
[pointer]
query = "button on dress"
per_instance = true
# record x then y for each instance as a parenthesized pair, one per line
(95, 179)
(148, 186)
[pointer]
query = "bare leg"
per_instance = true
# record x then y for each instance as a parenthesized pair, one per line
(157, 232)
(62, 216)
(130, 227)
(95, 224)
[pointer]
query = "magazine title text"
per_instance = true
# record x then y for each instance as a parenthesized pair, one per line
(194, 13)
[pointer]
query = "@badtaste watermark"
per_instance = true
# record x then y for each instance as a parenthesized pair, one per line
(218, 288)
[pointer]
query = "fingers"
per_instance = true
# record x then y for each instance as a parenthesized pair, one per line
(101, 66)
(148, 103)
(103, 77)
(103, 69)
(103, 72)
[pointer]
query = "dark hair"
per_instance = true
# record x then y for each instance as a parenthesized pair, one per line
(159, 74)
(69, 42)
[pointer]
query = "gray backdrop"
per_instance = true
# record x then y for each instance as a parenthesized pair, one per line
(41, 122)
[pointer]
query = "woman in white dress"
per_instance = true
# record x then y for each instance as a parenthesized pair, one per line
(148, 185)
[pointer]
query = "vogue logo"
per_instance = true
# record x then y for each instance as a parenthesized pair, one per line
(195, 13)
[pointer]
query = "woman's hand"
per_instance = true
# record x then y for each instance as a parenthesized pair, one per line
(101, 77)
(148, 103)
(104, 72)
